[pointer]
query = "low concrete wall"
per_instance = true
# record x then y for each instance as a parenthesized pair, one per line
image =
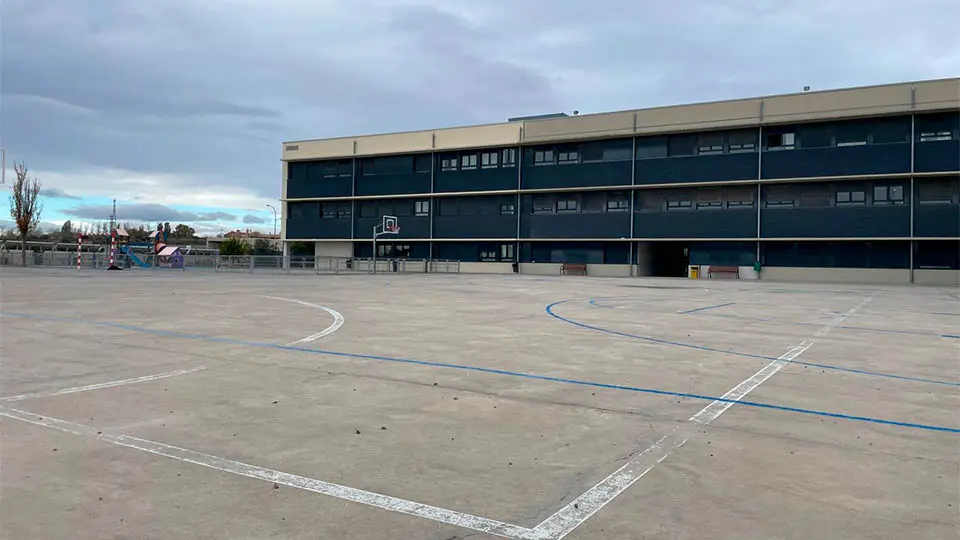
(835, 275)
(333, 249)
(486, 268)
(540, 269)
(609, 270)
(945, 278)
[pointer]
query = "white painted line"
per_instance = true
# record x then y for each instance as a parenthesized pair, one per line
(579, 510)
(98, 386)
(369, 498)
(337, 319)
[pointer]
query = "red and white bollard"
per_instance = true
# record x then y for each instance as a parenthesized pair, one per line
(79, 248)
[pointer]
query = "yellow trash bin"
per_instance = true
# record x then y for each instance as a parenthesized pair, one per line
(694, 272)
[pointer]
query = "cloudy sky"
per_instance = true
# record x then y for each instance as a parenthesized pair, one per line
(177, 108)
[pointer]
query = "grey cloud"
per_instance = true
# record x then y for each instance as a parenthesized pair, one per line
(208, 90)
(252, 219)
(146, 213)
(57, 193)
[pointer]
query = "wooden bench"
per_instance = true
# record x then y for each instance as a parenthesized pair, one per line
(566, 268)
(734, 271)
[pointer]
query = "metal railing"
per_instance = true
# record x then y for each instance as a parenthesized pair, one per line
(236, 263)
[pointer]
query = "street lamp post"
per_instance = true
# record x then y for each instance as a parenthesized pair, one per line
(270, 206)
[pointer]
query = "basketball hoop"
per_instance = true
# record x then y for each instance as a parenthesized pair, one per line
(387, 225)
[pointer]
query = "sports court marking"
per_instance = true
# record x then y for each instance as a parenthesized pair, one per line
(368, 498)
(98, 386)
(704, 308)
(480, 369)
(555, 527)
(583, 507)
(337, 319)
(550, 309)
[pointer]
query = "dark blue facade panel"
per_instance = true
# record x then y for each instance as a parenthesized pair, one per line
(319, 187)
(410, 227)
(615, 173)
(393, 184)
(709, 168)
(825, 222)
(850, 160)
(307, 228)
(723, 253)
(332, 178)
(937, 156)
(934, 220)
(847, 254)
(476, 180)
(475, 226)
(577, 225)
(696, 224)
(575, 252)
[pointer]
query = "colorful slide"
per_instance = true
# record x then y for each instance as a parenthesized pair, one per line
(136, 260)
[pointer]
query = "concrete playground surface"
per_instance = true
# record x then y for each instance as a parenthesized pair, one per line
(157, 405)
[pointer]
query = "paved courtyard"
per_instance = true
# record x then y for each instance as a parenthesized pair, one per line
(160, 405)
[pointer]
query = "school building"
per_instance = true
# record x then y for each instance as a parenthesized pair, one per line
(859, 184)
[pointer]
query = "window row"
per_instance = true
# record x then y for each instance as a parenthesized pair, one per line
(571, 203)
(846, 194)
(467, 206)
(395, 207)
(733, 197)
(471, 160)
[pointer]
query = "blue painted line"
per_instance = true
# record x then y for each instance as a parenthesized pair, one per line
(595, 303)
(550, 311)
(705, 308)
(637, 389)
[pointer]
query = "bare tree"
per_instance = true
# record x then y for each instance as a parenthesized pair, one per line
(25, 205)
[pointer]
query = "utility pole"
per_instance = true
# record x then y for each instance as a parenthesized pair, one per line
(113, 217)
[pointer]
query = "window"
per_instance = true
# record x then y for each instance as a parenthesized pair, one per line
(851, 197)
(710, 143)
(448, 207)
(679, 201)
(682, 145)
(421, 163)
(542, 205)
(302, 210)
(780, 197)
(815, 196)
(650, 201)
(740, 197)
(328, 210)
(543, 157)
(709, 198)
(448, 164)
(567, 205)
(344, 211)
(781, 141)
(744, 140)
(568, 155)
(931, 136)
(468, 161)
(652, 148)
(508, 209)
(489, 160)
(421, 208)
(509, 157)
(935, 192)
(887, 194)
(368, 209)
(618, 202)
(488, 255)
(506, 252)
(467, 206)
(329, 169)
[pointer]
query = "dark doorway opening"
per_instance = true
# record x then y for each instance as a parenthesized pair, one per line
(669, 259)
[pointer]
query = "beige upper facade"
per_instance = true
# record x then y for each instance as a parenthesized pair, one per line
(900, 98)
